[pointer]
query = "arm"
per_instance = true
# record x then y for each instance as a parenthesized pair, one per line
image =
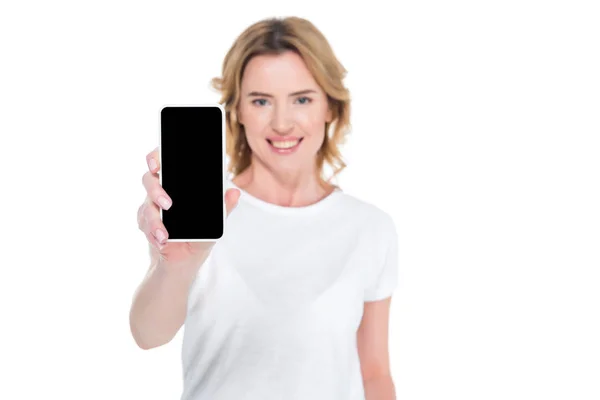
(159, 305)
(372, 339)
(380, 388)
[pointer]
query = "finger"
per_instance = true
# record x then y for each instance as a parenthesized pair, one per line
(140, 216)
(158, 195)
(153, 242)
(144, 214)
(152, 161)
(143, 217)
(154, 226)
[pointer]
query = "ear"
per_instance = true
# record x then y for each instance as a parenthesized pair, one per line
(239, 116)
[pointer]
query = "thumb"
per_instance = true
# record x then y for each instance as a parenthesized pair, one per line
(231, 199)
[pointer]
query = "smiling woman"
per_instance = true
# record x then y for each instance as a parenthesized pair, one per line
(293, 301)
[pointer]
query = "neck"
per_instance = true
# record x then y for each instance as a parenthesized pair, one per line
(295, 189)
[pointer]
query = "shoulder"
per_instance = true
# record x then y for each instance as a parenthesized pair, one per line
(358, 204)
(371, 213)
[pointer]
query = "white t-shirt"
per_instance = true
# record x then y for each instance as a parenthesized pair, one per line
(274, 310)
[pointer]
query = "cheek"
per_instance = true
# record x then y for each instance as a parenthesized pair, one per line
(255, 121)
(314, 122)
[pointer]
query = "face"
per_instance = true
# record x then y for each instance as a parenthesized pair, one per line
(281, 105)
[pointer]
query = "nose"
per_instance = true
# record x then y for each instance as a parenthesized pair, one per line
(282, 121)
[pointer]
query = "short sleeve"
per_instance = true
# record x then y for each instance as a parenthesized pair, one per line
(383, 275)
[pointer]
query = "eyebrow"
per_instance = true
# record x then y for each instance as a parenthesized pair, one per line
(291, 94)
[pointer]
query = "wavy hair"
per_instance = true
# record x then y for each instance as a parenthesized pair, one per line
(274, 36)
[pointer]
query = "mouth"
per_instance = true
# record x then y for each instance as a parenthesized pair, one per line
(285, 146)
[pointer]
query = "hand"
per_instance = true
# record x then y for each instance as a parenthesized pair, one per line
(149, 222)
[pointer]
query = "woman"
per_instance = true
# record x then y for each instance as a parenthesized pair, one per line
(293, 301)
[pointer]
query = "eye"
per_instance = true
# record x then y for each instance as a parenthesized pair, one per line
(254, 102)
(308, 100)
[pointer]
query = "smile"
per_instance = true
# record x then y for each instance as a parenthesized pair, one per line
(284, 146)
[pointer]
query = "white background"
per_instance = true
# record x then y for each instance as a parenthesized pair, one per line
(476, 124)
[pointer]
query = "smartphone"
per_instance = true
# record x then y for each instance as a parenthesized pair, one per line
(192, 171)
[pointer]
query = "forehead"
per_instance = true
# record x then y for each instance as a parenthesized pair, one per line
(282, 71)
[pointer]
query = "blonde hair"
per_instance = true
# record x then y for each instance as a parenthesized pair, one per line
(275, 36)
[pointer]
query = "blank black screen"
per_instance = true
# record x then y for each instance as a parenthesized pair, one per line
(191, 150)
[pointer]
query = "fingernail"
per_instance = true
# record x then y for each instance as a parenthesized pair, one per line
(152, 164)
(166, 204)
(160, 236)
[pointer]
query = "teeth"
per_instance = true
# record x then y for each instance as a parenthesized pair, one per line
(284, 145)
